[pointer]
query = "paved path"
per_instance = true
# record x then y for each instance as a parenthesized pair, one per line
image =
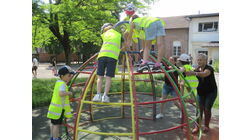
(41, 131)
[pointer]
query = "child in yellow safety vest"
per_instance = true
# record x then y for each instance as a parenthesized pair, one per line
(107, 60)
(192, 80)
(60, 104)
(148, 29)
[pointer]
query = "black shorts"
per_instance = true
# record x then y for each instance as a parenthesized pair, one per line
(106, 62)
(34, 68)
(58, 121)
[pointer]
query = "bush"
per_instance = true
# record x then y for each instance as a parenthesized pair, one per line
(216, 65)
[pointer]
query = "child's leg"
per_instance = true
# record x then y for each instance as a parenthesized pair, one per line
(161, 48)
(164, 96)
(55, 131)
(107, 84)
(146, 50)
(99, 83)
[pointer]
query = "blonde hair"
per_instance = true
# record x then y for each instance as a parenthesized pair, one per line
(203, 56)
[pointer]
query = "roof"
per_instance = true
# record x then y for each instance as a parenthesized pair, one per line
(211, 44)
(203, 15)
(175, 22)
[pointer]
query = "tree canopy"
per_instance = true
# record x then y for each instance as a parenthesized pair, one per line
(75, 24)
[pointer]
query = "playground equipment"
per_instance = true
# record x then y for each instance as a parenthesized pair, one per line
(128, 104)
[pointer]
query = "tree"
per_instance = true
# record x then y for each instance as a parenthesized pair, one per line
(74, 20)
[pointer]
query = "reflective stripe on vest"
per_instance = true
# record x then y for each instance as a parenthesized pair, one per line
(58, 114)
(193, 80)
(112, 43)
(110, 51)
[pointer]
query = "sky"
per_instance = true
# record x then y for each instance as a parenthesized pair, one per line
(168, 8)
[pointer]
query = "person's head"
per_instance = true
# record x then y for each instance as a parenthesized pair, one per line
(106, 27)
(184, 59)
(201, 59)
(130, 9)
(133, 18)
(65, 73)
(172, 59)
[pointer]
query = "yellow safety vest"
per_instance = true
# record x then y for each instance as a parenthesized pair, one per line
(135, 36)
(56, 106)
(193, 80)
(111, 44)
(142, 23)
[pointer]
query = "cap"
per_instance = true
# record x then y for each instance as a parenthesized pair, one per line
(105, 25)
(184, 57)
(130, 7)
(65, 70)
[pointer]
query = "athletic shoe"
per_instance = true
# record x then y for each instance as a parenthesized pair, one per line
(156, 69)
(159, 116)
(105, 99)
(97, 98)
(143, 67)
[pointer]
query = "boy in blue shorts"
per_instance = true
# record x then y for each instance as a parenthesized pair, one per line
(59, 106)
(168, 89)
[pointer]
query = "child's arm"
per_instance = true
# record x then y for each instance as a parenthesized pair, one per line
(64, 93)
(182, 70)
(129, 36)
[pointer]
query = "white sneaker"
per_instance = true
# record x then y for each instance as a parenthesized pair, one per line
(159, 116)
(105, 99)
(97, 98)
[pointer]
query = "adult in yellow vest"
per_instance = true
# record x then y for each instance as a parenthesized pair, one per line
(149, 29)
(60, 104)
(107, 60)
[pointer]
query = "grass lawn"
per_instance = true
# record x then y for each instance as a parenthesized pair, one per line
(42, 89)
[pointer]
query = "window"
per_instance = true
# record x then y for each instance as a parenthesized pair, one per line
(208, 27)
(204, 52)
(177, 48)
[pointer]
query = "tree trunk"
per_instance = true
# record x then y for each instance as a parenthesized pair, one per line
(67, 53)
(67, 47)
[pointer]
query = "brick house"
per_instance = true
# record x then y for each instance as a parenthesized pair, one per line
(43, 56)
(176, 38)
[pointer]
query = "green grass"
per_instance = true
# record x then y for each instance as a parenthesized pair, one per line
(42, 89)
(216, 103)
(216, 65)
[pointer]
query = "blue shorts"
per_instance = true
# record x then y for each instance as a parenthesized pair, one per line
(154, 30)
(106, 63)
(168, 90)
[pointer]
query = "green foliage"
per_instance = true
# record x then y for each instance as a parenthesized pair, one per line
(77, 21)
(53, 46)
(216, 65)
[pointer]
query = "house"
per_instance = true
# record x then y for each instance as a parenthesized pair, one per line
(176, 38)
(204, 35)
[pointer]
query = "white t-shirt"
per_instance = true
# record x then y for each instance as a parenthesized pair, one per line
(62, 88)
(35, 62)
